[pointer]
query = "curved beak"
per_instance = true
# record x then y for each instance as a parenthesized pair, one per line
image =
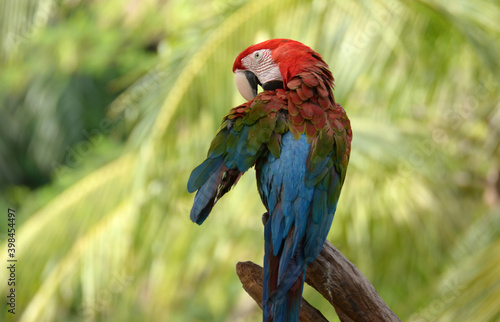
(246, 82)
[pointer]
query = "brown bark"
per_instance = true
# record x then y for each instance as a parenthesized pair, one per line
(337, 279)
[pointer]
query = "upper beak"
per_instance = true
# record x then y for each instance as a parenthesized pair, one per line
(246, 82)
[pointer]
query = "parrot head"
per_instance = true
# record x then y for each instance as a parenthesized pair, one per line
(271, 64)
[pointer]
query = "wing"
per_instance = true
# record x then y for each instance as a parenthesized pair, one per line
(314, 112)
(301, 188)
(249, 131)
(321, 138)
(326, 167)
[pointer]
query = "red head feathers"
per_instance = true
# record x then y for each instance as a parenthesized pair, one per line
(292, 57)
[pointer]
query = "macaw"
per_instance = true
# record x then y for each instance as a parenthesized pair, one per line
(298, 138)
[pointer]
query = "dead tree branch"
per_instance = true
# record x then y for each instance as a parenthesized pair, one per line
(337, 279)
(251, 277)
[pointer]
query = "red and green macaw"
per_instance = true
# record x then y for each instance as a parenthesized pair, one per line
(298, 138)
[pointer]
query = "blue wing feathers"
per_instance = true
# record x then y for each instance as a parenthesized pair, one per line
(317, 172)
(320, 205)
(202, 172)
(205, 197)
(277, 227)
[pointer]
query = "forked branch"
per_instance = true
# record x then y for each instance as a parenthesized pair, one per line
(337, 279)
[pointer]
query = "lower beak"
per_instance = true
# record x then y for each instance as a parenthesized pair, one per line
(246, 82)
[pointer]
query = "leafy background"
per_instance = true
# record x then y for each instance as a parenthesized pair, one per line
(106, 107)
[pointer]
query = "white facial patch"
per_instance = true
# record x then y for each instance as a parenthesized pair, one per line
(261, 63)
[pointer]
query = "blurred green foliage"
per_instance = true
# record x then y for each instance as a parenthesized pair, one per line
(106, 107)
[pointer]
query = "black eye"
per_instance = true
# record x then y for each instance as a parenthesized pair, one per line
(257, 55)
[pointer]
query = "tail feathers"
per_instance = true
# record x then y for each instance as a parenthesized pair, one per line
(285, 305)
(212, 179)
(282, 297)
